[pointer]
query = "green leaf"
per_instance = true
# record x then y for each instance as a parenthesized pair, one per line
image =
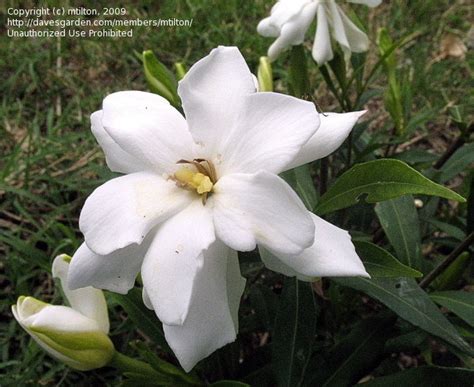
(144, 318)
(427, 377)
(410, 302)
(459, 302)
(380, 263)
(298, 72)
(460, 161)
(160, 80)
(301, 181)
(354, 356)
(294, 332)
(450, 277)
(229, 383)
(448, 228)
(399, 220)
(379, 180)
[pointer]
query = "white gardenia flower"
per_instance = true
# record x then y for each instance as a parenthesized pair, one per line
(75, 335)
(290, 19)
(200, 188)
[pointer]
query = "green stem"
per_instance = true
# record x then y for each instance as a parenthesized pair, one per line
(128, 364)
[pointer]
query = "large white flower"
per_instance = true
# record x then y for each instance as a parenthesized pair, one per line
(76, 335)
(195, 190)
(290, 19)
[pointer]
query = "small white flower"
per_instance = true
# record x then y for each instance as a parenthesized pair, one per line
(76, 335)
(196, 190)
(290, 19)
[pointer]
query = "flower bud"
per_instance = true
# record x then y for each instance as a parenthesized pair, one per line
(76, 335)
(265, 75)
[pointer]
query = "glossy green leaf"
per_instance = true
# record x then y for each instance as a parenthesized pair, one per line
(380, 263)
(301, 181)
(379, 180)
(353, 357)
(399, 220)
(459, 302)
(160, 80)
(410, 302)
(144, 318)
(427, 377)
(294, 332)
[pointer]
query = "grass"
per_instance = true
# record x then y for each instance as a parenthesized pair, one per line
(49, 161)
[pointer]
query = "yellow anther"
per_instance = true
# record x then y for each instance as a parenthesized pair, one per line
(184, 175)
(196, 180)
(205, 185)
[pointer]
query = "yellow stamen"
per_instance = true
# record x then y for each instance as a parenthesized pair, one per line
(196, 180)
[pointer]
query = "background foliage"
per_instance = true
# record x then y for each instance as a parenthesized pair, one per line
(342, 331)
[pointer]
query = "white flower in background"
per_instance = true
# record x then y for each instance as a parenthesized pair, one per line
(197, 190)
(290, 19)
(76, 335)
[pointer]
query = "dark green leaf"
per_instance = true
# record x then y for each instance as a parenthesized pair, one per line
(451, 276)
(427, 377)
(356, 354)
(411, 303)
(298, 72)
(229, 383)
(399, 219)
(294, 332)
(379, 180)
(459, 302)
(449, 229)
(457, 163)
(144, 318)
(380, 263)
(301, 181)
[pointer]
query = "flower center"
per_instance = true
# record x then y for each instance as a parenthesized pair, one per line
(198, 174)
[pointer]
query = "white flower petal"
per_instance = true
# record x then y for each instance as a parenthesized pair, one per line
(337, 24)
(276, 264)
(88, 301)
(322, 49)
(116, 158)
(369, 3)
(260, 208)
(235, 286)
(209, 324)
(123, 210)
(173, 259)
(281, 13)
(58, 318)
(266, 28)
(271, 130)
(357, 39)
(147, 127)
(331, 255)
(212, 92)
(115, 272)
(146, 299)
(334, 129)
(293, 31)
